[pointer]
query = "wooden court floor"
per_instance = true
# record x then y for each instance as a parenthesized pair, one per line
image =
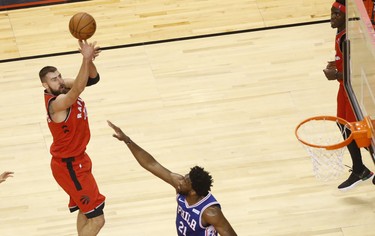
(229, 103)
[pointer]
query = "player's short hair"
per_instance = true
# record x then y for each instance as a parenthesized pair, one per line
(45, 70)
(341, 2)
(201, 180)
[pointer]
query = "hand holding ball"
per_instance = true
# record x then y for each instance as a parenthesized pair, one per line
(82, 26)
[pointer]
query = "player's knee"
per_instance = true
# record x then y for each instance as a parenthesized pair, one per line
(98, 222)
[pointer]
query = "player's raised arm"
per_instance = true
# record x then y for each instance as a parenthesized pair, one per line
(146, 160)
(93, 73)
(64, 101)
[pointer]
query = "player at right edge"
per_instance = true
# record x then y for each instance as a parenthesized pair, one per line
(334, 71)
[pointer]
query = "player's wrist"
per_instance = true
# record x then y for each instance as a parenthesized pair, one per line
(127, 140)
(86, 59)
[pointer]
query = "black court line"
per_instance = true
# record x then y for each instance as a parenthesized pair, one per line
(170, 40)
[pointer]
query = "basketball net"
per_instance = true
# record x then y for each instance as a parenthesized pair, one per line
(327, 164)
(325, 139)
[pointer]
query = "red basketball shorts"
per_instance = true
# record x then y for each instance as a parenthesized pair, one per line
(344, 108)
(74, 176)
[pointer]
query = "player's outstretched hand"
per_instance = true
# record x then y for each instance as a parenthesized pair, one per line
(118, 133)
(97, 50)
(5, 175)
(88, 50)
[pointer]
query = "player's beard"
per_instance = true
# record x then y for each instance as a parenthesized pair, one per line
(62, 90)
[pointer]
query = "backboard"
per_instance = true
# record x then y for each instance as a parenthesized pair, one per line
(359, 74)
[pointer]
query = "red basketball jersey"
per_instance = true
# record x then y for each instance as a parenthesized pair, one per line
(71, 136)
(339, 53)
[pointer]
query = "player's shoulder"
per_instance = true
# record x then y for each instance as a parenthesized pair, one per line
(212, 215)
(212, 210)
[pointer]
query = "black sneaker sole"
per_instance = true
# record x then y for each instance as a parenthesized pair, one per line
(358, 182)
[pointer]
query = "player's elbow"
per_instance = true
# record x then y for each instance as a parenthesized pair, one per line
(92, 81)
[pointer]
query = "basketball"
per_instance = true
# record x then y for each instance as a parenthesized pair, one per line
(82, 26)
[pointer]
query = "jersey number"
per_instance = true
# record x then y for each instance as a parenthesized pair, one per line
(182, 228)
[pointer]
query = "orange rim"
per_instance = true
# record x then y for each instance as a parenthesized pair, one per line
(331, 118)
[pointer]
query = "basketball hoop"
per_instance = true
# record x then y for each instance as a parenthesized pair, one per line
(325, 139)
